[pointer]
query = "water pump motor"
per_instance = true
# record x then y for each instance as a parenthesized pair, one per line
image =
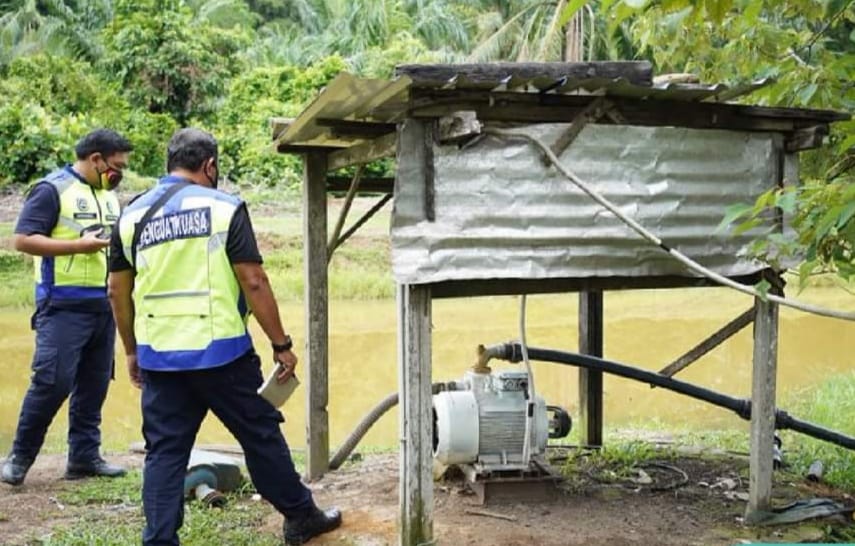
(482, 422)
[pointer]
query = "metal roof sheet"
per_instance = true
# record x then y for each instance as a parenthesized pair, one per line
(351, 98)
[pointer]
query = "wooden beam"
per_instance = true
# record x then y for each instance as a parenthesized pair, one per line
(590, 114)
(591, 381)
(366, 152)
(363, 129)
(366, 185)
(491, 75)
(509, 287)
(762, 442)
(709, 344)
(300, 149)
(345, 209)
(533, 108)
(430, 136)
(316, 314)
(416, 417)
(364, 218)
(279, 126)
(806, 139)
(461, 99)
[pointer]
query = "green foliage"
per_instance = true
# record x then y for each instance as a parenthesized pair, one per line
(806, 48)
(243, 122)
(32, 141)
(167, 62)
(47, 103)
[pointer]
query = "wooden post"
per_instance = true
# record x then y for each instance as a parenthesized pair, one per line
(416, 415)
(590, 381)
(316, 314)
(762, 409)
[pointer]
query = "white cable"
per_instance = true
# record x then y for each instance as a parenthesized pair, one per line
(529, 410)
(685, 260)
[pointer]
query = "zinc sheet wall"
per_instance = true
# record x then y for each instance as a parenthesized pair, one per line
(500, 213)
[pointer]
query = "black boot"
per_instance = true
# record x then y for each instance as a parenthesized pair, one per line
(15, 469)
(95, 467)
(301, 529)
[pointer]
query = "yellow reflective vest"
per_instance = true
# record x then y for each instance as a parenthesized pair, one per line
(76, 276)
(189, 310)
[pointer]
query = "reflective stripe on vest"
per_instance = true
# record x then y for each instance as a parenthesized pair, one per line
(189, 307)
(76, 276)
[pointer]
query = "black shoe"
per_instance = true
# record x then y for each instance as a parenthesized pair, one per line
(299, 530)
(15, 469)
(95, 467)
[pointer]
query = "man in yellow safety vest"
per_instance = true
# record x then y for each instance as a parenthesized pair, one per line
(65, 225)
(184, 273)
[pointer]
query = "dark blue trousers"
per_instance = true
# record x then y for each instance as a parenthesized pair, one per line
(173, 406)
(74, 356)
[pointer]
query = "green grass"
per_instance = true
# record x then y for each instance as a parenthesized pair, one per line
(113, 517)
(16, 278)
(831, 406)
(104, 491)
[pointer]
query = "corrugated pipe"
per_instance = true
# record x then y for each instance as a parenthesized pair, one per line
(368, 421)
(512, 352)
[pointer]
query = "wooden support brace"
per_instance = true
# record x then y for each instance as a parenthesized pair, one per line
(348, 201)
(364, 218)
(709, 344)
(591, 113)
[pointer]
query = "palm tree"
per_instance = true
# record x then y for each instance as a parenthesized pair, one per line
(65, 28)
(538, 30)
(312, 29)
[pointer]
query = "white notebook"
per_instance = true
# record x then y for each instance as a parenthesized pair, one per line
(277, 393)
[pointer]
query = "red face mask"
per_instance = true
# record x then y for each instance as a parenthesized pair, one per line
(110, 177)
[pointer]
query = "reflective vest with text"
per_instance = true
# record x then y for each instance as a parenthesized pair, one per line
(190, 313)
(76, 276)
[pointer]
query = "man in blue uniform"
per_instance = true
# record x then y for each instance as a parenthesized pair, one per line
(64, 225)
(185, 269)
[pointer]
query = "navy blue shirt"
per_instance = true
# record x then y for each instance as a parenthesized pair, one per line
(38, 217)
(41, 211)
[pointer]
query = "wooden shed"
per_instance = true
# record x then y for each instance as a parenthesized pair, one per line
(475, 214)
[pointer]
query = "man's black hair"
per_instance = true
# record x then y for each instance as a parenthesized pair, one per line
(189, 148)
(104, 141)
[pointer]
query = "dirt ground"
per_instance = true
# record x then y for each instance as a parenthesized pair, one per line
(705, 510)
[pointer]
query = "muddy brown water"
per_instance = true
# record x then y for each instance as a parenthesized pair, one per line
(644, 328)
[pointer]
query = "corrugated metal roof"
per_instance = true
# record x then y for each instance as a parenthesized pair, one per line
(352, 98)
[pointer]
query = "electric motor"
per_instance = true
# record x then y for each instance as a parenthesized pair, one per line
(484, 421)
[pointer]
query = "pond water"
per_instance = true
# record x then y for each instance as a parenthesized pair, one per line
(644, 328)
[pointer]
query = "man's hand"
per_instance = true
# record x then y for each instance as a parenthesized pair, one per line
(134, 371)
(90, 242)
(288, 361)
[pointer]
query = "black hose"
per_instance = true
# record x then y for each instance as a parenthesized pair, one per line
(742, 407)
(350, 443)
